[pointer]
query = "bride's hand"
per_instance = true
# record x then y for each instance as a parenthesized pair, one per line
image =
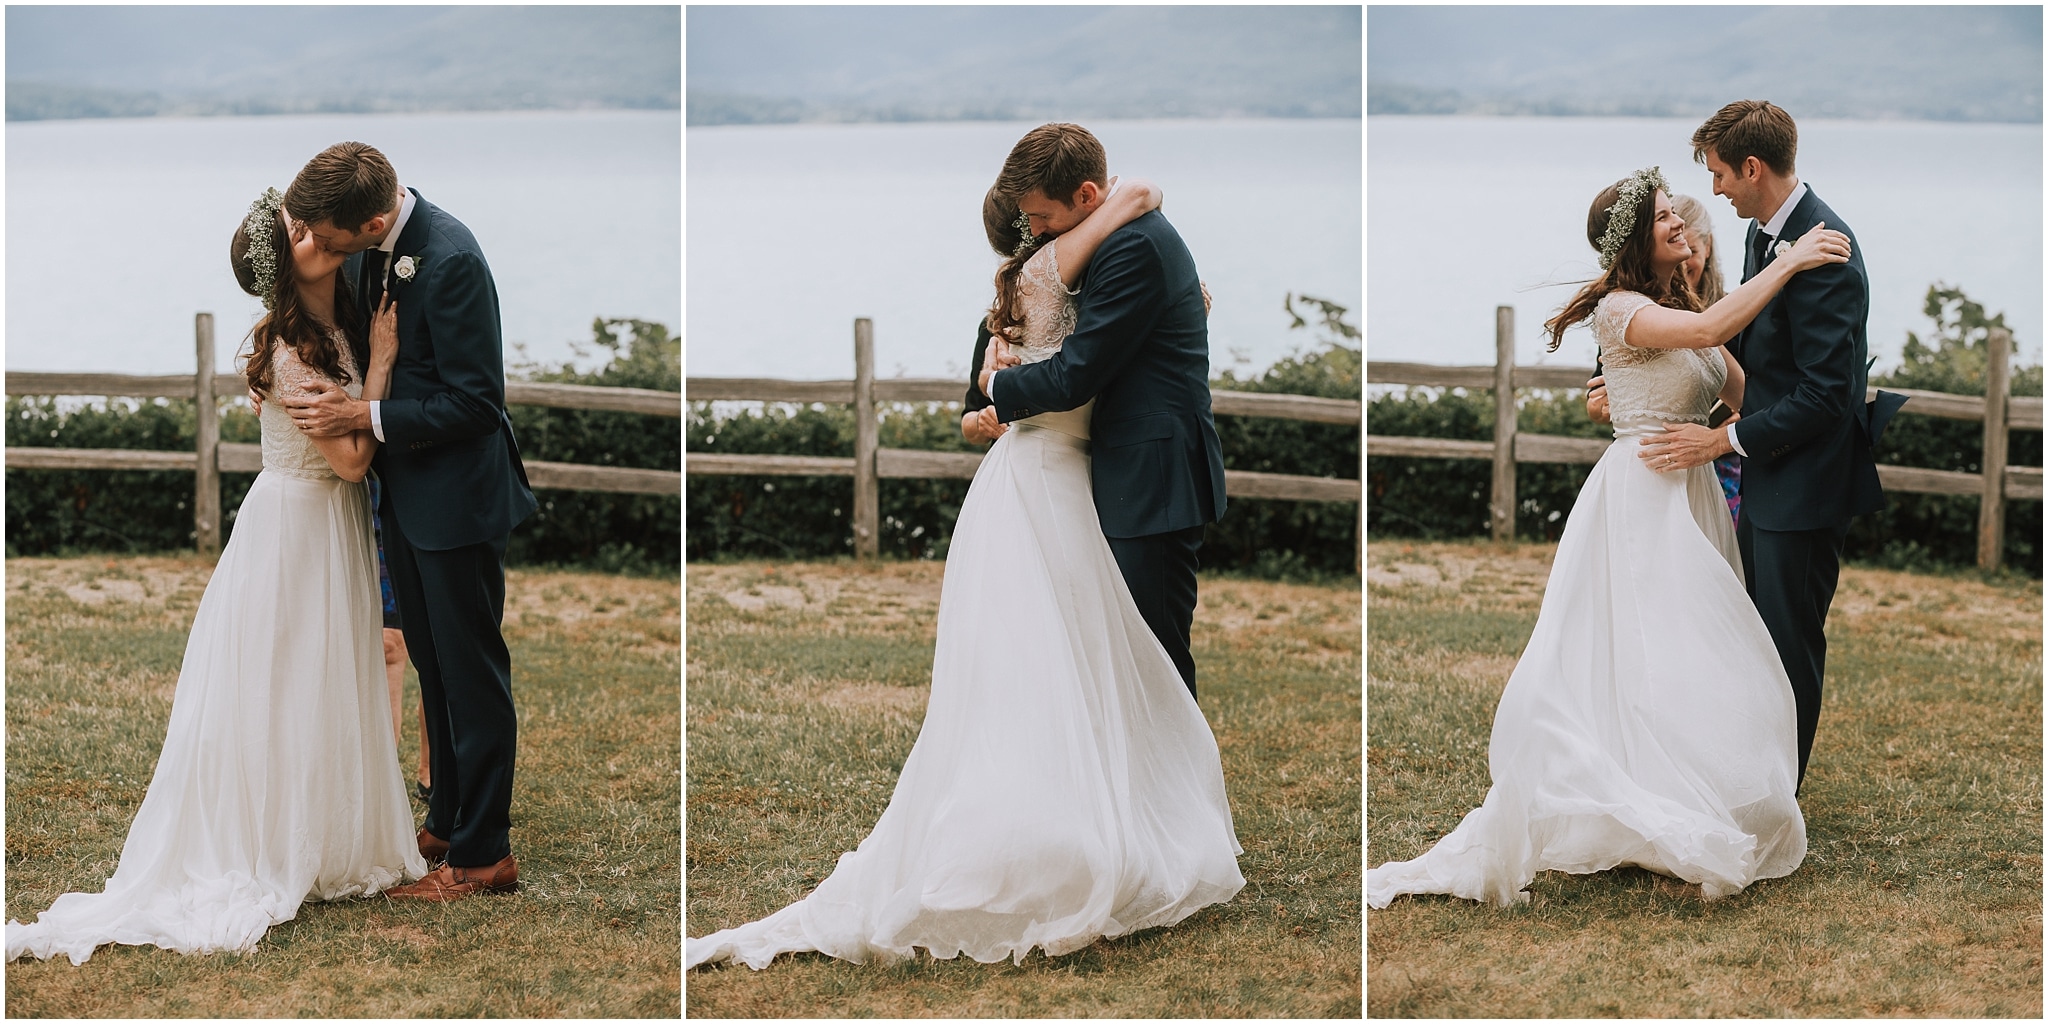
(1819, 247)
(384, 333)
(1144, 195)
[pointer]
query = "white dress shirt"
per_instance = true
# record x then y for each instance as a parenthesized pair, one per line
(1772, 229)
(389, 244)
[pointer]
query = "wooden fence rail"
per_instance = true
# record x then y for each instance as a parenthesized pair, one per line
(871, 464)
(1997, 409)
(212, 457)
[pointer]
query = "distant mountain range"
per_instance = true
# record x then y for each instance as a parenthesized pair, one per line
(1945, 63)
(69, 62)
(750, 65)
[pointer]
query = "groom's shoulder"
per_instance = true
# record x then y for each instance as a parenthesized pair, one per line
(1820, 212)
(448, 233)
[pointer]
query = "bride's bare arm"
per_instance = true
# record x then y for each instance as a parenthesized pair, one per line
(1136, 198)
(1731, 392)
(1662, 327)
(349, 454)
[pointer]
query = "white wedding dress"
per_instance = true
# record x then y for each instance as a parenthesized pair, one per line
(1064, 786)
(279, 779)
(1649, 721)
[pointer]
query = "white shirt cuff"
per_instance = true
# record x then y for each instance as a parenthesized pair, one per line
(377, 420)
(1733, 441)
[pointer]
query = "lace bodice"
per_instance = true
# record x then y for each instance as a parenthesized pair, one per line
(286, 449)
(1049, 316)
(1048, 305)
(1647, 387)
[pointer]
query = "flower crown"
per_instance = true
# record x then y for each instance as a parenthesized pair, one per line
(1027, 242)
(262, 254)
(1621, 217)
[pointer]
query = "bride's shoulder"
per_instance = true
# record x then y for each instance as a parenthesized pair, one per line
(1612, 314)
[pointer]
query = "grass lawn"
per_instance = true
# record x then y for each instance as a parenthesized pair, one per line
(807, 683)
(1921, 891)
(93, 648)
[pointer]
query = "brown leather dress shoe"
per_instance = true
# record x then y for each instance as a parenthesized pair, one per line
(448, 882)
(433, 849)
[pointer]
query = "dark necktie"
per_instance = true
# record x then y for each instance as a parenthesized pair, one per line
(1763, 247)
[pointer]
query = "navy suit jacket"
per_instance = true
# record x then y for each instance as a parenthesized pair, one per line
(1141, 350)
(448, 459)
(1805, 425)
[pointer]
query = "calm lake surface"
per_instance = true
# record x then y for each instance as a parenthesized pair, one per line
(117, 230)
(795, 230)
(1469, 213)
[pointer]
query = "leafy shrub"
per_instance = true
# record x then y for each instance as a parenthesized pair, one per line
(795, 517)
(67, 511)
(1442, 498)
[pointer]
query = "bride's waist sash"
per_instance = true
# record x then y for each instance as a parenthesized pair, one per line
(1638, 429)
(1056, 436)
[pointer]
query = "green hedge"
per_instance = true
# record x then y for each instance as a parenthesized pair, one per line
(1444, 498)
(784, 517)
(69, 511)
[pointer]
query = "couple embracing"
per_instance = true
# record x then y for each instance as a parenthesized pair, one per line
(278, 780)
(1664, 709)
(1065, 786)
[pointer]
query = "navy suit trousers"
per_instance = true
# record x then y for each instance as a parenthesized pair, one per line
(1792, 593)
(1160, 571)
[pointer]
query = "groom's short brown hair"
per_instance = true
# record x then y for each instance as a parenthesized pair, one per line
(346, 185)
(1054, 159)
(1749, 128)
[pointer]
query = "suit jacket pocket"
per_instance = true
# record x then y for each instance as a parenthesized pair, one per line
(1157, 426)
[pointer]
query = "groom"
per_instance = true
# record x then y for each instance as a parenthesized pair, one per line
(453, 489)
(1140, 346)
(1805, 433)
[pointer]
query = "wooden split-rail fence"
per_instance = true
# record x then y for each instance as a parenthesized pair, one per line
(1996, 409)
(212, 457)
(871, 464)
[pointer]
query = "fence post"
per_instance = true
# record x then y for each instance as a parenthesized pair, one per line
(867, 487)
(206, 480)
(1503, 423)
(1991, 511)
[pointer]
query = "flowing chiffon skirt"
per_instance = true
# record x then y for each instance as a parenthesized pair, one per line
(1064, 786)
(1649, 721)
(278, 781)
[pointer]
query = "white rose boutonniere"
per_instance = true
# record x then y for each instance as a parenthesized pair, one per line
(1777, 251)
(406, 267)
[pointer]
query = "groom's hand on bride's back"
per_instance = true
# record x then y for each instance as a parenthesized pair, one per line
(1596, 399)
(328, 411)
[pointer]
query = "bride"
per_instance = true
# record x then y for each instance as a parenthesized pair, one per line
(1064, 786)
(1649, 721)
(278, 781)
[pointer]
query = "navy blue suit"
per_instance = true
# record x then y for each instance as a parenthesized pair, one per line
(1140, 348)
(453, 488)
(1808, 433)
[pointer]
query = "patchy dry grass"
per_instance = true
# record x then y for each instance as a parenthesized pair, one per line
(807, 683)
(93, 648)
(1921, 893)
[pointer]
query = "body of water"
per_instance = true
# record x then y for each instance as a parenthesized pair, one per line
(118, 230)
(1469, 213)
(795, 230)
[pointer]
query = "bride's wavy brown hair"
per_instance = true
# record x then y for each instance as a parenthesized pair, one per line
(288, 321)
(1631, 270)
(999, 219)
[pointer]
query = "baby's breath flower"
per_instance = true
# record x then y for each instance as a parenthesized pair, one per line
(262, 253)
